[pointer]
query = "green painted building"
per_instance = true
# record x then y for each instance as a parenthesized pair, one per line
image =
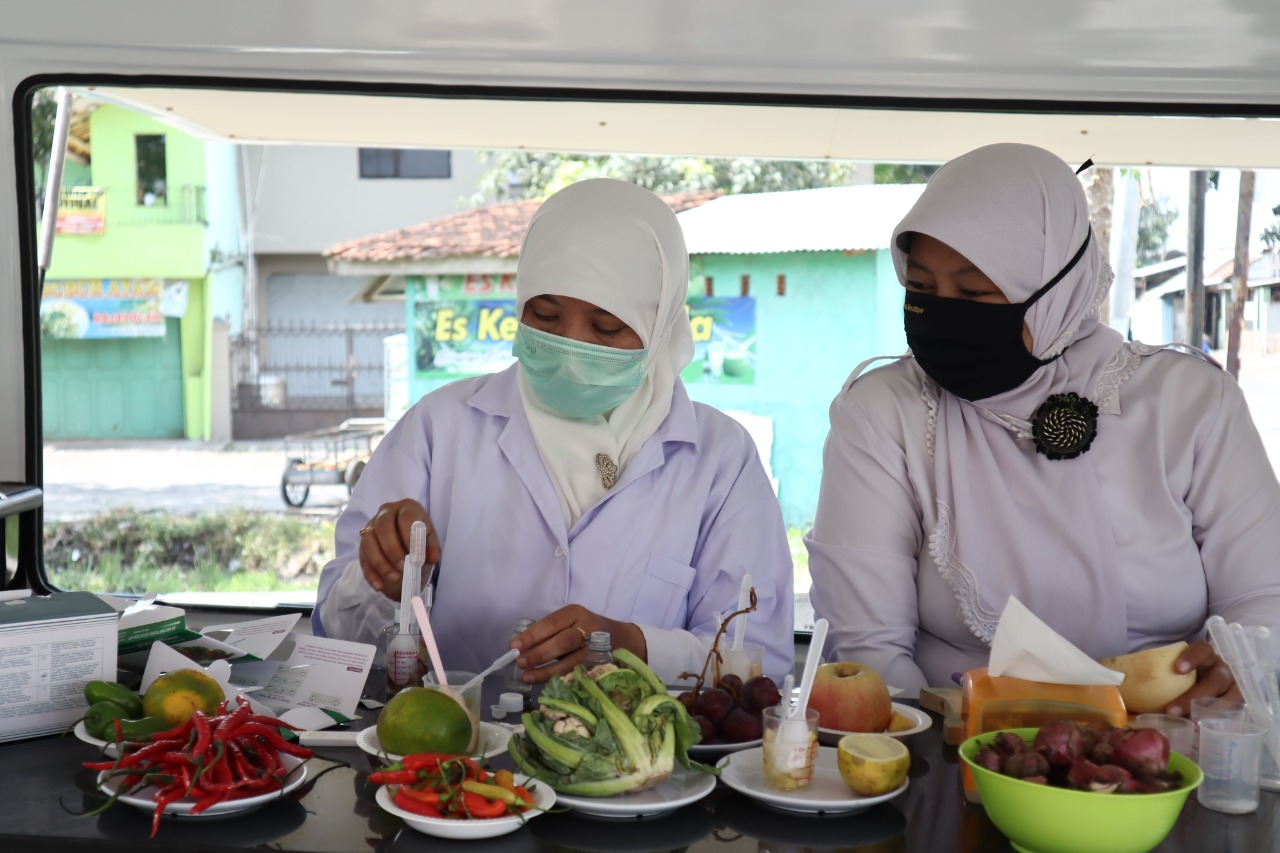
(126, 311)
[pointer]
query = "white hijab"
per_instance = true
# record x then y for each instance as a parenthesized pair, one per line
(1005, 519)
(619, 247)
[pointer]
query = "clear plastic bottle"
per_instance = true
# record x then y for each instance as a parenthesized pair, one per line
(599, 649)
(512, 678)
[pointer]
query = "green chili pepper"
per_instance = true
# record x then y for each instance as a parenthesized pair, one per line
(140, 729)
(110, 691)
(99, 720)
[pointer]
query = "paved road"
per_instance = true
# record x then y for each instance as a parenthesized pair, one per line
(84, 478)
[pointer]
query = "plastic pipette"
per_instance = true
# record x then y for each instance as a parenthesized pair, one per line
(403, 666)
(736, 660)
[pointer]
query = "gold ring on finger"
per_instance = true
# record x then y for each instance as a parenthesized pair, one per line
(585, 638)
(366, 528)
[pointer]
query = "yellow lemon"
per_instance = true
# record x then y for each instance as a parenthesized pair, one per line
(873, 764)
(176, 695)
(900, 723)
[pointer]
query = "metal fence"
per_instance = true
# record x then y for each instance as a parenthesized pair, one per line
(322, 367)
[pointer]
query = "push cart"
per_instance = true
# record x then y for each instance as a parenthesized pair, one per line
(328, 457)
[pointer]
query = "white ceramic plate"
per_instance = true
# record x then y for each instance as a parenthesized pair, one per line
(920, 719)
(744, 772)
(684, 787)
(83, 733)
(492, 741)
(108, 746)
(143, 799)
(705, 752)
(474, 828)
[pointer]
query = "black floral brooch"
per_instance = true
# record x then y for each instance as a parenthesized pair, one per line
(1064, 426)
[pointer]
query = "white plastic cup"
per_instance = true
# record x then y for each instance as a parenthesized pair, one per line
(1180, 731)
(746, 664)
(1213, 708)
(470, 700)
(1229, 756)
(790, 748)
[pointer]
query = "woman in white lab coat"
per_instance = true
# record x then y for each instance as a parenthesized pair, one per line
(580, 487)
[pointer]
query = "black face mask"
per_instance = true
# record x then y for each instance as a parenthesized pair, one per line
(975, 349)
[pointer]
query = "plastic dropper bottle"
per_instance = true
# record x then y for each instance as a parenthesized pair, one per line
(513, 677)
(599, 649)
(404, 660)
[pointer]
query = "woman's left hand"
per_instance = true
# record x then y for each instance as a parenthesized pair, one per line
(557, 643)
(1213, 677)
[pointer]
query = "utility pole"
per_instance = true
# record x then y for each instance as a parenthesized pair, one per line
(1194, 314)
(1240, 273)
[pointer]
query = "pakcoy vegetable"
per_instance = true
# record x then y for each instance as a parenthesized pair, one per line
(229, 756)
(609, 731)
(451, 786)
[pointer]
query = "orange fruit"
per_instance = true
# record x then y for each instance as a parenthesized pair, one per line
(176, 695)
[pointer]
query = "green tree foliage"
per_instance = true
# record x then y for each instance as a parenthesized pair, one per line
(523, 174)
(1271, 234)
(1154, 220)
(904, 173)
(44, 110)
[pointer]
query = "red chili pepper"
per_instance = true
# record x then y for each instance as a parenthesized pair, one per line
(430, 796)
(163, 797)
(204, 736)
(178, 731)
(415, 806)
(233, 721)
(272, 737)
(205, 802)
(243, 767)
(389, 777)
(477, 806)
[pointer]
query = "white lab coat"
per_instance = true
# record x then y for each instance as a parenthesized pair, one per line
(666, 548)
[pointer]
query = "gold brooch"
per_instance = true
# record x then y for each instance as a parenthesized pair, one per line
(608, 470)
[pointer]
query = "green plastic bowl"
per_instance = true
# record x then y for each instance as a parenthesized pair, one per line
(1044, 819)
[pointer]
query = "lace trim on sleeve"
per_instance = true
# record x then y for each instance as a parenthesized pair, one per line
(942, 547)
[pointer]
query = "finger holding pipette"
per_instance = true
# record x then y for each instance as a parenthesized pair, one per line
(385, 542)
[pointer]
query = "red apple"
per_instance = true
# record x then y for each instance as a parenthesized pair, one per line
(850, 697)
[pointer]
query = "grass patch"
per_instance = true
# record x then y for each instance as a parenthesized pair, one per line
(135, 552)
(799, 555)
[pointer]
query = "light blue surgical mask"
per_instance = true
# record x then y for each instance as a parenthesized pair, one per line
(577, 379)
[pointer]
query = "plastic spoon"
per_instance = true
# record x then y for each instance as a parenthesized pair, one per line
(430, 638)
(793, 732)
(811, 663)
(507, 658)
(736, 659)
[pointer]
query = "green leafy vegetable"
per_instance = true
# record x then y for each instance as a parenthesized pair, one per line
(617, 733)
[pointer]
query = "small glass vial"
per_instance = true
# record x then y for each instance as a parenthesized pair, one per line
(512, 678)
(404, 658)
(599, 649)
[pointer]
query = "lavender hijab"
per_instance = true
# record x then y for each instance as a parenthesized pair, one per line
(1005, 520)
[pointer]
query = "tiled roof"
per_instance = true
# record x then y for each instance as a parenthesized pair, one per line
(495, 231)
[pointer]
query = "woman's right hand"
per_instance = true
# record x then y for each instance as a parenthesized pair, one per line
(385, 543)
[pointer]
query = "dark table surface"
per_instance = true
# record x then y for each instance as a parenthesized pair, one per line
(43, 786)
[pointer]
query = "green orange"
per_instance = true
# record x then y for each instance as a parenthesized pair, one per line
(421, 720)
